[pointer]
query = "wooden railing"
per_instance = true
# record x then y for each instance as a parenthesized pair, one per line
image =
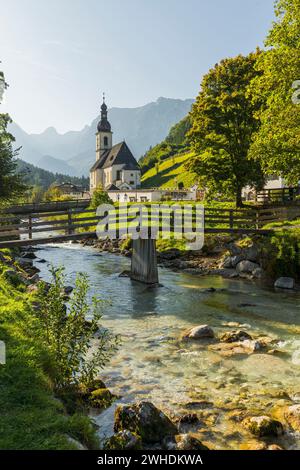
(84, 221)
(277, 195)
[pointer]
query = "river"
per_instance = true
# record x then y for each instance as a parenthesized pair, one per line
(152, 364)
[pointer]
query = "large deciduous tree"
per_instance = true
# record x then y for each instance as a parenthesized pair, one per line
(11, 185)
(277, 144)
(223, 123)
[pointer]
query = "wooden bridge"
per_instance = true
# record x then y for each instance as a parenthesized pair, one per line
(23, 225)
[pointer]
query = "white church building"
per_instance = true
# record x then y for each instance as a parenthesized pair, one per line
(115, 167)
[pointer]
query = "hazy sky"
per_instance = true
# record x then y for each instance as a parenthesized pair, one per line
(59, 55)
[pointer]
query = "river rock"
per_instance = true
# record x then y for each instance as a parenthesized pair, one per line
(101, 398)
(246, 267)
(199, 332)
(292, 416)
(252, 253)
(285, 283)
(226, 263)
(145, 420)
(189, 442)
(258, 273)
(262, 426)
(235, 260)
(124, 440)
(29, 255)
(234, 336)
(245, 347)
(274, 447)
(24, 263)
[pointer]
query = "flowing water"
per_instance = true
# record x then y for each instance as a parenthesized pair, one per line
(180, 378)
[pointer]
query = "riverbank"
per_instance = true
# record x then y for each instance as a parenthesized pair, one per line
(32, 417)
(263, 259)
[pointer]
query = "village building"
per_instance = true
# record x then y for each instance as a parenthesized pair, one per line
(115, 165)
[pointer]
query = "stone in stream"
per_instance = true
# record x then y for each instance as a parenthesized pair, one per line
(234, 336)
(198, 332)
(29, 255)
(263, 426)
(124, 440)
(285, 283)
(245, 347)
(246, 267)
(188, 442)
(292, 416)
(145, 420)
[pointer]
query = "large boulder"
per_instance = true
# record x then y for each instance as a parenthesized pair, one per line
(263, 426)
(145, 420)
(292, 416)
(252, 253)
(124, 440)
(246, 267)
(234, 336)
(199, 332)
(285, 283)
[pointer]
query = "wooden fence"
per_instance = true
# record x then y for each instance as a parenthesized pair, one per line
(47, 225)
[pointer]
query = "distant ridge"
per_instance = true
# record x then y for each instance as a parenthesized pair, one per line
(74, 152)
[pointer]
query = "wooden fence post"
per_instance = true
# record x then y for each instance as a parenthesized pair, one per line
(70, 231)
(230, 218)
(30, 227)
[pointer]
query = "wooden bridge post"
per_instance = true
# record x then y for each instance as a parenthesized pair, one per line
(144, 261)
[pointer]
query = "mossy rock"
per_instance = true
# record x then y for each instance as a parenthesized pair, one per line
(263, 426)
(145, 420)
(292, 416)
(101, 398)
(189, 442)
(124, 440)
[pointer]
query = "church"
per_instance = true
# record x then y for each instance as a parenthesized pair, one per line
(115, 167)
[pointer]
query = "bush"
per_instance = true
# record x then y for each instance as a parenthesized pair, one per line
(100, 197)
(69, 335)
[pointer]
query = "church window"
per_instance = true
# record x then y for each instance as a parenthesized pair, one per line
(119, 173)
(105, 140)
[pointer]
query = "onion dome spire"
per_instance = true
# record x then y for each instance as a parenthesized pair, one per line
(103, 124)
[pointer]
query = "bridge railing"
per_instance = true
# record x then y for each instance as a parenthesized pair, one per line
(69, 222)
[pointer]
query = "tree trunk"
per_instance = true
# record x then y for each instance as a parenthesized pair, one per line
(238, 198)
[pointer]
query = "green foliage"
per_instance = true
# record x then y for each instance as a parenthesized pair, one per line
(31, 418)
(172, 172)
(68, 335)
(223, 124)
(100, 197)
(277, 143)
(174, 143)
(281, 254)
(11, 184)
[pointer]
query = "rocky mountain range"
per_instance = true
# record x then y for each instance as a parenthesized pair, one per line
(73, 153)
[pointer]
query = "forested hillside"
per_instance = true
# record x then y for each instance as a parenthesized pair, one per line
(34, 176)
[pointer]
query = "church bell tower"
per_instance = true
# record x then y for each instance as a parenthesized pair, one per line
(104, 133)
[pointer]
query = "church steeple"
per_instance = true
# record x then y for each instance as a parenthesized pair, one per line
(103, 124)
(104, 133)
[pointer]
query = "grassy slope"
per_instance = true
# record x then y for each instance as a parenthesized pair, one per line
(31, 418)
(171, 172)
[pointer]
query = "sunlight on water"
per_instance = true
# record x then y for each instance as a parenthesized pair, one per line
(180, 377)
